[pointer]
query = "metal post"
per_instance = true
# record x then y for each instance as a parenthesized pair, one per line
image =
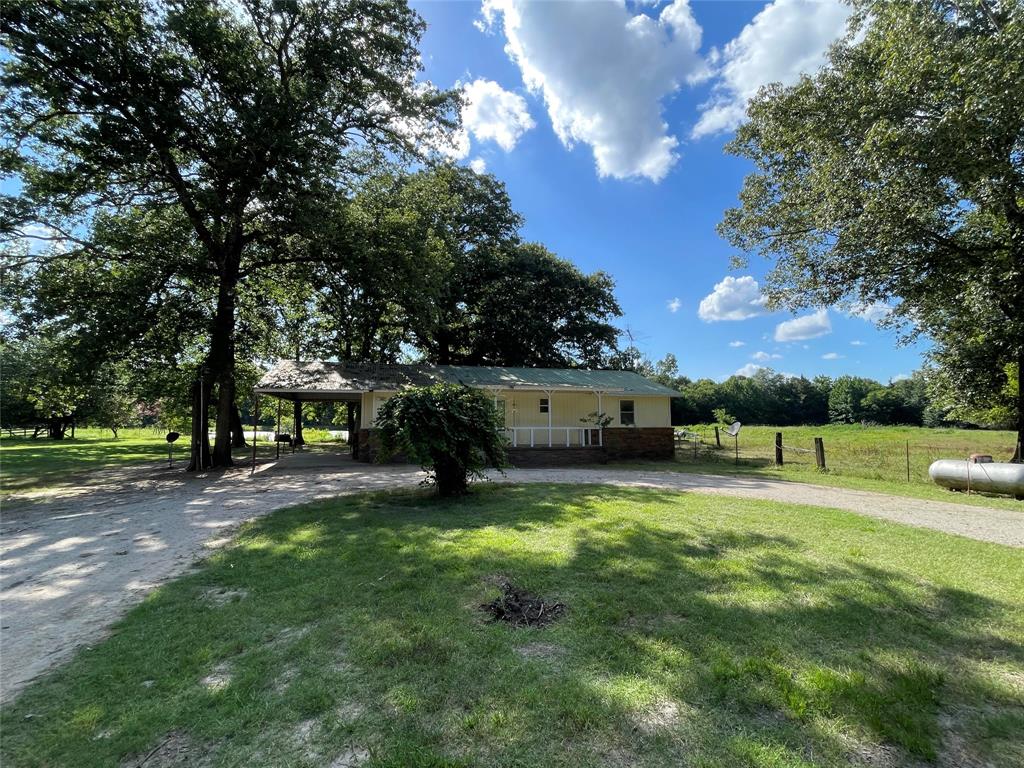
(778, 449)
(295, 427)
(736, 442)
(255, 423)
(277, 433)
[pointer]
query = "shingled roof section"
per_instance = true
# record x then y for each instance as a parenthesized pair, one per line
(320, 378)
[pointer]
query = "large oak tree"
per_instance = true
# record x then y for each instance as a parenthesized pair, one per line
(242, 115)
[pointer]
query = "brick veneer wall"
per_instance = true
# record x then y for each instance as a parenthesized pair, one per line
(639, 442)
(555, 457)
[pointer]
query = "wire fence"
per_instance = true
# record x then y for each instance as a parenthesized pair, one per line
(872, 455)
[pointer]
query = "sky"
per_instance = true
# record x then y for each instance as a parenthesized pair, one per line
(607, 122)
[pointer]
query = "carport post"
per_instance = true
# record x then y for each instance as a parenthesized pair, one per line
(277, 434)
(255, 422)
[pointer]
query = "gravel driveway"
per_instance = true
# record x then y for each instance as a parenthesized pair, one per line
(74, 563)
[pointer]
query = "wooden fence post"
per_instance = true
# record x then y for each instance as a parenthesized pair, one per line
(718, 439)
(778, 449)
(819, 453)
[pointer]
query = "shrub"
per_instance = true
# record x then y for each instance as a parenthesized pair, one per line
(450, 430)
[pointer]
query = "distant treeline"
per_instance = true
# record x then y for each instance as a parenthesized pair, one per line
(768, 397)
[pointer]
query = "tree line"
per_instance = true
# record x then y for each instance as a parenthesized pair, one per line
(774, 398)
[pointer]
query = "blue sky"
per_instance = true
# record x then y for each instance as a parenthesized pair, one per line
(607, 124)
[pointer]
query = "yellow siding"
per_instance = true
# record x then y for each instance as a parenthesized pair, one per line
(522, 409)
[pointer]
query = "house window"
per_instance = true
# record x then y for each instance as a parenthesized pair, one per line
(545, 405)
(627, 413)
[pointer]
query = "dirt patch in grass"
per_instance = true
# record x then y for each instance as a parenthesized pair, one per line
(176, 750)
(218, 596)
(350, 758)
(660, 716)
(542, 651)
(521, 609)
(219, 678)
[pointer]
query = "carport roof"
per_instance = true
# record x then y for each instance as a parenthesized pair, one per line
(325, 380)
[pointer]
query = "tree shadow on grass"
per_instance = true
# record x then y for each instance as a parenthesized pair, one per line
(685, 640)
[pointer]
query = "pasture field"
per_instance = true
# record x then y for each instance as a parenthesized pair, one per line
(685, 629)
(866, 457)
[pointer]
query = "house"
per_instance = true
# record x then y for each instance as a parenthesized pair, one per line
(551, 415)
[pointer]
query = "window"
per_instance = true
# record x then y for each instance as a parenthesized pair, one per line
(545, 406)
(627, 414)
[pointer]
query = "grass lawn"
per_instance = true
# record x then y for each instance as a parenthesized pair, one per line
(28, 464)
(699, 631)
(865, 458)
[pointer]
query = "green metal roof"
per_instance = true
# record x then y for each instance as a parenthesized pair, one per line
(324, 378)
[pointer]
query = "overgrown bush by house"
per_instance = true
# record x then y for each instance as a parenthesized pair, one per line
(450, 430)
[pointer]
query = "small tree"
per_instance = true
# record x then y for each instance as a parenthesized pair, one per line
(450, 430)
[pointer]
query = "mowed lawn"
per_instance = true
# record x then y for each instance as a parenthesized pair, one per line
(698, 631)
(29, 463)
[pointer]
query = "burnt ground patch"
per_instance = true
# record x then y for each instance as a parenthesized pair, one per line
(520, 608)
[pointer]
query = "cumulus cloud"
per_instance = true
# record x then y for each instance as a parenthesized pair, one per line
(832, 356)
(493, 114)
(763, 357)
(736, 344)
(900, 377)
(605, 73)
(857, 343)
(735, 298)
(806, 327)
(875, 312)
(674, 305)
(786, 39)
(478, 164)
(749, 369)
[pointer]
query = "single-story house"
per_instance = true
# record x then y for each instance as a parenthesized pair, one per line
(551, 415)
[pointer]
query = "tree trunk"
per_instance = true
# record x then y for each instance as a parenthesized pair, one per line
(297, 416)
(237, 431)
(222, 358)
(57, 428)
(200, 449)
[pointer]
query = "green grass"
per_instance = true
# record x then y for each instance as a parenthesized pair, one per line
(28, 464)
(700, 631)
(864, 458)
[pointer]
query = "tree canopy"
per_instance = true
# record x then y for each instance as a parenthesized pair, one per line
(895, 175)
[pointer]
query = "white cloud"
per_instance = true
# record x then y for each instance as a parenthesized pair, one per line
(736, 344)
(735, 298)
(478, 164)
(858, 343)
(763, 357)
(786, 39)
(604, 74)
(674, 305)
(875, 312)
(749, 369)
(493, 114)
(832, 356)
(807, 327)
(900, 377)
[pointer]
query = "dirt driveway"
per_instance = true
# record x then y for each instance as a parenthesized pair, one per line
(74, 563)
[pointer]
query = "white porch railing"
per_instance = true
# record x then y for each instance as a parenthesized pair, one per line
(550, 437)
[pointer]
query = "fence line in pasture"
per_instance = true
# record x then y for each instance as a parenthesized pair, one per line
(900, 460)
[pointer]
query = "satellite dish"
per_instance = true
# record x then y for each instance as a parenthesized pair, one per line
(734, 429)
(172, 436)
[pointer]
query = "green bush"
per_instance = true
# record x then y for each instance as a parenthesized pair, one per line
(449, 430)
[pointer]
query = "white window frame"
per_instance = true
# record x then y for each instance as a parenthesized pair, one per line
(545, 405)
